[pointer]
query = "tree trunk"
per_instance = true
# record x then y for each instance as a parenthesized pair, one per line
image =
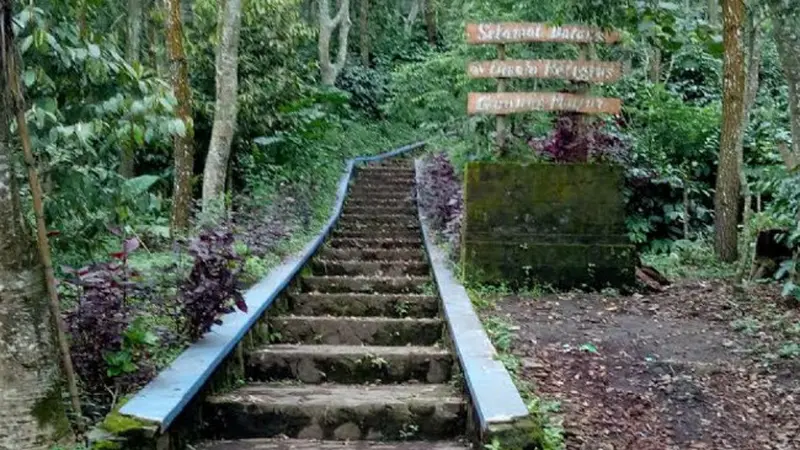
(226, 105)
(132, 51)
(32, 415)
(330, 70)
(786, 26)
(430, 22)
(183, 145)
(727, 194)
(753, 52)
(713, 12)
(412, 15)
(363, 32)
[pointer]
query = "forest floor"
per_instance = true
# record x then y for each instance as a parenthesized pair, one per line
(703, 365)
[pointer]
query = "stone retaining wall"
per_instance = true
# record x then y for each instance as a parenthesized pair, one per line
(558, 224)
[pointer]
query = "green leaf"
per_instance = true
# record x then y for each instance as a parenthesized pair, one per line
(588, 347)
(29, 77)
(178, 127)
(268, 140)
(94, 51)
(139, 185)
(26, 44)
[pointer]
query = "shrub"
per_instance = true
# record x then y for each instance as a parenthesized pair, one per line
(108, 345)
(442, 199)
(368, 88)
(212, 288)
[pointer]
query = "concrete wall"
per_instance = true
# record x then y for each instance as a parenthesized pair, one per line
(562, 224)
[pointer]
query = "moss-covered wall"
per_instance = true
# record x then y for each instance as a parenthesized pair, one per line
(562, 224)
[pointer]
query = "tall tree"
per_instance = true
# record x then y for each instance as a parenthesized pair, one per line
(132, 51)
(219, 151)
(363, 32)
(330, 70)
(786, 28)
(430, 21)
(32, 415)
(183, 146)
(733, 112)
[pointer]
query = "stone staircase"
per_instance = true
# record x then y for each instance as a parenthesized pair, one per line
(359, 361)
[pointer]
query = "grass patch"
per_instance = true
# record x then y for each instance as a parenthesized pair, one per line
(502, 332)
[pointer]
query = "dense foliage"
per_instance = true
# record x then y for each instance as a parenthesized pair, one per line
(212, 288)
(103, 119)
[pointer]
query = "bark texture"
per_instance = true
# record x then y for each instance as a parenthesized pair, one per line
(413, 13)
(733, 112)
(786, 27)
(363, 32)
(132, 51)
(327, 24)
(32, 415)
(430, 21)
(225, 109)
(184, 145)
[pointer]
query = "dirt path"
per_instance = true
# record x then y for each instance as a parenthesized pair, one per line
(701, 366)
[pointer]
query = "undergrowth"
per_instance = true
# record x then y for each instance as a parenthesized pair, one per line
(502, 332)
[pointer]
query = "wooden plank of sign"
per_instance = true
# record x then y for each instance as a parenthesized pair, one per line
(588, 71)
(514, 102)
(511, 32)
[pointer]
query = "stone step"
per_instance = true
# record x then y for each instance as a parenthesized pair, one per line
(337, 412)
(375, 219)
(364, 305)
(349, 364)
(385, 228)
(379, 233)
(364, 196)
(403, 207)
(397, 171)
(373, 254)
(379, 331)
(379, 242)
(407, 202)
(305, 444)
(394, 183)
(377, 190)
(369, 268)
(367, 285)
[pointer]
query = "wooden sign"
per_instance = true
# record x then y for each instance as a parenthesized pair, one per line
(512, 102)
(511, 32)
(588, 71)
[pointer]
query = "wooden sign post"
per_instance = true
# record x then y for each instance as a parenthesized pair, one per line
(581, 71)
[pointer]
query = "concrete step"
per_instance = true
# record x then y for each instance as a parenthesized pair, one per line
(366, 285)
(349, 364)
(401, 234)
(373, 254)
(365, 196)
(379, 242)
(337, 412)
(386, 228)
(401, 208)
(407, 202)
(393, 183)
(379, 190)
(381, 331)
(301, 444)
(387, 171)
(369, 268)
(376, 219)
(364, 305)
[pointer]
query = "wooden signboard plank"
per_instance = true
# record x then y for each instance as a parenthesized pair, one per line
(513, 102)
(511, 32)
(588, 71)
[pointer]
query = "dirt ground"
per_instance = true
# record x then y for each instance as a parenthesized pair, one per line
(702, 365)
